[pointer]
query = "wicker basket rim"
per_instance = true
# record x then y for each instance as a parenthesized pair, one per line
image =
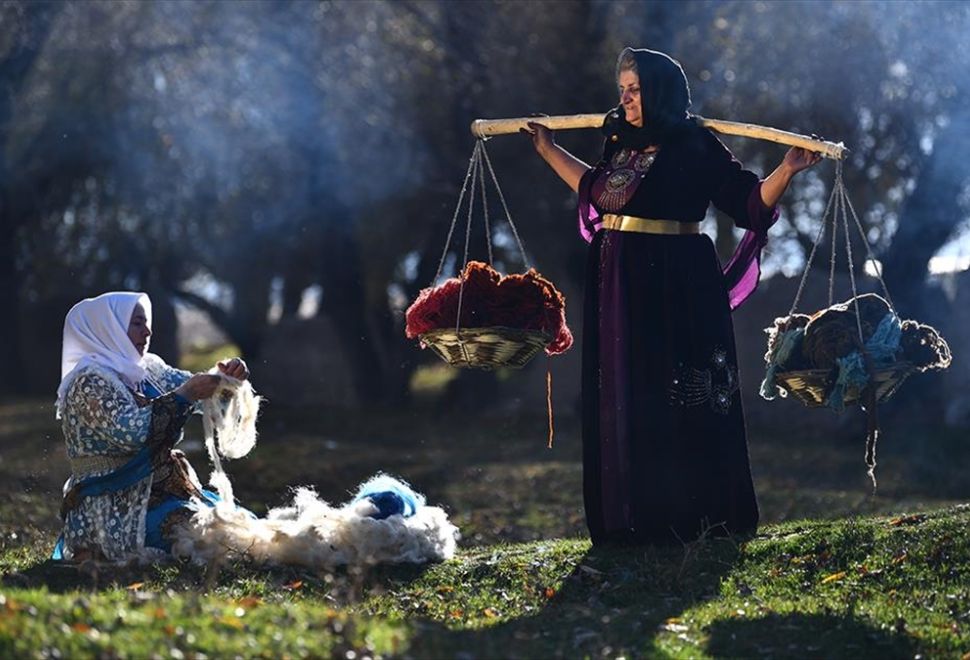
(902, 365)
(470, 333)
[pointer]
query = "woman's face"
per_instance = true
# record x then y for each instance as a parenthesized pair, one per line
(138, 330)
(629, 84)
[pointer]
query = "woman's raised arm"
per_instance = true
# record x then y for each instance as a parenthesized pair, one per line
(775, 185)
(569, 168)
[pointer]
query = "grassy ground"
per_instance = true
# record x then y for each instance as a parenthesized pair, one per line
(837, 572)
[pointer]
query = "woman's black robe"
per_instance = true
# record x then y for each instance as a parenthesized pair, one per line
(665, 455)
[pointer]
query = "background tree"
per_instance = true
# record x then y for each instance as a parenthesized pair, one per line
(249, 158)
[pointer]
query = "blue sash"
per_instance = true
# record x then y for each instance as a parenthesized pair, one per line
(135, 470)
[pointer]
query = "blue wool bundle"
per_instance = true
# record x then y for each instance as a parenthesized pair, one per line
(790, 342)
(391, 497)
(882, 348)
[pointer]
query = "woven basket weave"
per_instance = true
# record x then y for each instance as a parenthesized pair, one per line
(486, 348)
(812, 386)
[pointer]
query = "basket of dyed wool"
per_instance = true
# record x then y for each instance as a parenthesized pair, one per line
(830, 358)
(485, 320)
(482, 319)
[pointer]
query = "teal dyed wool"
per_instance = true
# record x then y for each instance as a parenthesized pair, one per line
(790, 342)
(882, 348)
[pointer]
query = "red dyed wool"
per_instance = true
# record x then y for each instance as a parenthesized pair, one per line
(528, 302)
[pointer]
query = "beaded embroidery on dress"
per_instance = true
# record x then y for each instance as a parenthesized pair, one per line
(714, 387)
(615, 186)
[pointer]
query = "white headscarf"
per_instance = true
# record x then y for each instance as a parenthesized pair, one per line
(96, 333)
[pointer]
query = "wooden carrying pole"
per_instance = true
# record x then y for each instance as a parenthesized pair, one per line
(483, 128)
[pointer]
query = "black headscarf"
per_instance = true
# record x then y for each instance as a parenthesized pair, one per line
(665, 97)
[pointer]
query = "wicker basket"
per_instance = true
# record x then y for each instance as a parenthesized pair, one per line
(812, 386)
(486, 348)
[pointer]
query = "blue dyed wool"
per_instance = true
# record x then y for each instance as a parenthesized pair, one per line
(789, 343)
(882, 348)
(391, 497)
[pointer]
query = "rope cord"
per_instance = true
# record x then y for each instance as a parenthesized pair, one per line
(833, 256)
(869, 255)
(871, 400)
(476, 174)
(508, 216)
(488, 229)
(454, 218)
(476, 163)
(818, 239)
(549, 401)
(848, 252)
(841, 204)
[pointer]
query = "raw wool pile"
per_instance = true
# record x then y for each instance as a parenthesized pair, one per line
(527, 301)
(829, 339)
(314, 534)
(386, 521)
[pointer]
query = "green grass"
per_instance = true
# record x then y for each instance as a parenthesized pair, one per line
(836, 572)
(876, 587)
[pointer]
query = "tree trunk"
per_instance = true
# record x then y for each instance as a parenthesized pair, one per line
(928, 219)
(14, 70)
(11, 366)
(345, 302)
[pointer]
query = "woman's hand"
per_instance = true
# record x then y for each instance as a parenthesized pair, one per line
(234, 368)
(199, 386)
(542, 138)
(569, 168)
(798, 159)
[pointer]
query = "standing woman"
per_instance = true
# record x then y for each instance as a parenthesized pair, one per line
(122, 411)
(665, 457)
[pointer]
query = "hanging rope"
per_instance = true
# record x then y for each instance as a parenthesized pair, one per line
(875, 265)
(818, 238)
(508, 216)
(454, 218)
(839, 206)
(549, 401)
(476, 174)
(488, 229)
(476, 163)
(832, 256)
(848, 252)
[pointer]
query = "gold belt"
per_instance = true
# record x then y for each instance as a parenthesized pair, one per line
(648, 225)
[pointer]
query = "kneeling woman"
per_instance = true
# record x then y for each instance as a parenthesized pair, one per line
(122, 411)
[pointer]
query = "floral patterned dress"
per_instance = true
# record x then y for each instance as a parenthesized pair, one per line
(128, 485)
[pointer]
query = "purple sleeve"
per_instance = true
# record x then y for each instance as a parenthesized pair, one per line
(589, 218)
(742, 272)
